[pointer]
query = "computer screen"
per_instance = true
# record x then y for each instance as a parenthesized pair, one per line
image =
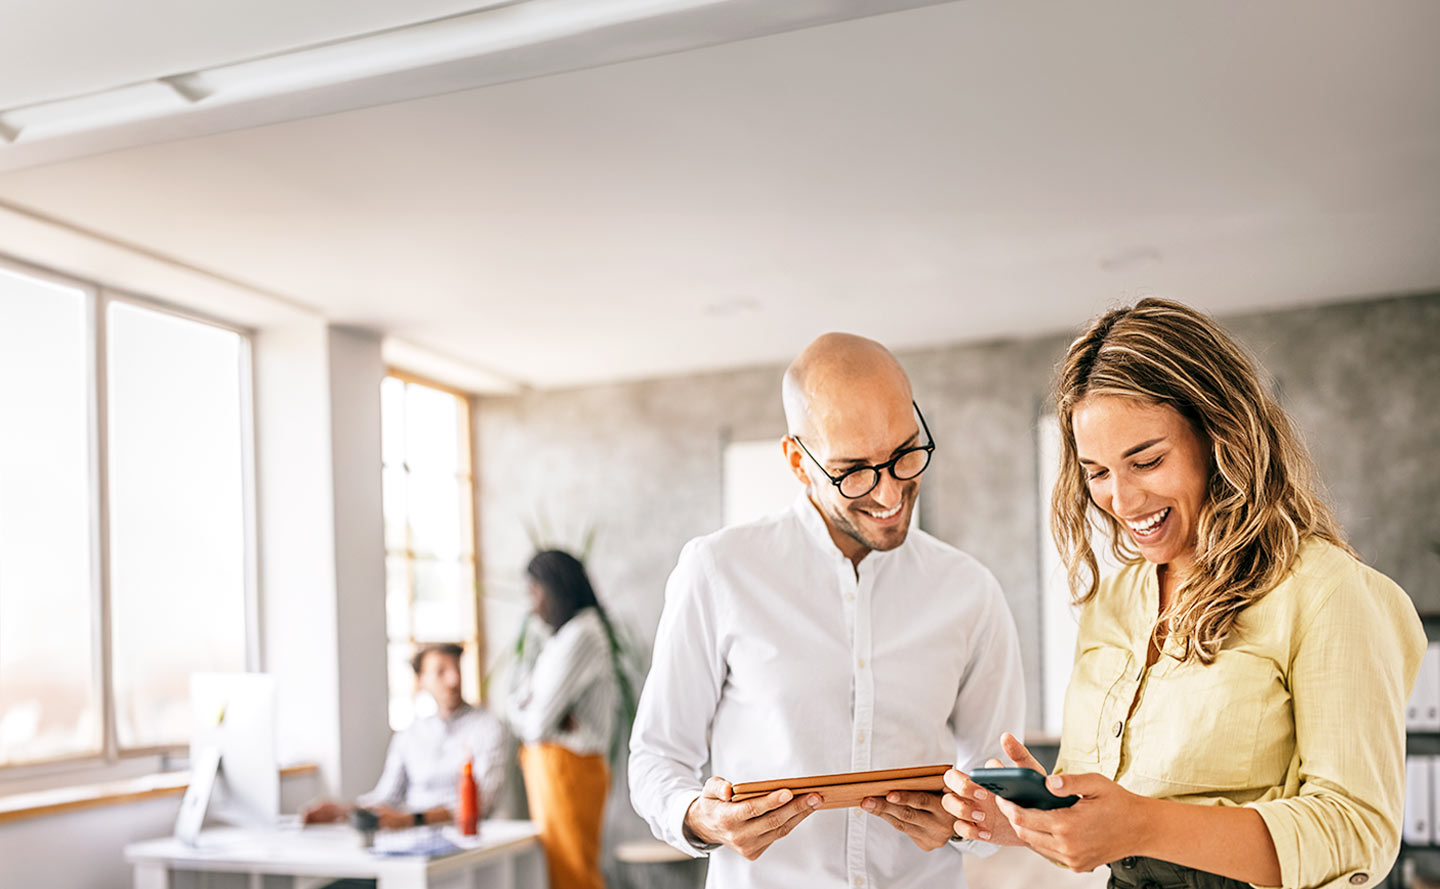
(234, 714)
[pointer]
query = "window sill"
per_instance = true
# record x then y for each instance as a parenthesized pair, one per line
(38, 804)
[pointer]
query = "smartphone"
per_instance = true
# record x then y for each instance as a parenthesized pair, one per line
(1023, 787)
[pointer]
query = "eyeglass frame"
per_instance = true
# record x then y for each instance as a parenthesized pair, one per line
(879, 468)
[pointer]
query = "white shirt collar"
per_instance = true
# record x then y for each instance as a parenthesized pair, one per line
(818, 528)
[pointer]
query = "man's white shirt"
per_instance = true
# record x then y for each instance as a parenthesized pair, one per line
(423, 763)
(773, 660)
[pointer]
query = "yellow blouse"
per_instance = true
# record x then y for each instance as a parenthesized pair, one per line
(1301, 716)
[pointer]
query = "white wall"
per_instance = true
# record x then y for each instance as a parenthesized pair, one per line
(84, 849)
(356, 370)
(322, 545)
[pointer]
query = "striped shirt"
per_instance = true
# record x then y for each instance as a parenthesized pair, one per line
(569, 674)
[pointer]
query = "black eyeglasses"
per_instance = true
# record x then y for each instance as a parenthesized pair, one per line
(861, 480)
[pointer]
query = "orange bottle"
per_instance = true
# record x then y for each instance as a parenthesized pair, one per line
(467, 810)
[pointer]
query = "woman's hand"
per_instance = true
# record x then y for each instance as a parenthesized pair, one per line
(974, 808)
(1107, 824)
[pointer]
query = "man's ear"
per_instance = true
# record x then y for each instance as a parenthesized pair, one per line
(796, 459)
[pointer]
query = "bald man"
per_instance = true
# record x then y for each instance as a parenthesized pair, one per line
(828, 638)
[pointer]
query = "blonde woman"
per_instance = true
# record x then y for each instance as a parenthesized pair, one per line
(1236, 711)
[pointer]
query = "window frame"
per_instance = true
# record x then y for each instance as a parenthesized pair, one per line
(467, 429)
(113, 761)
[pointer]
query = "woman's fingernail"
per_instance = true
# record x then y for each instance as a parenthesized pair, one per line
(979, 815)
(984, 834)
(979, 794)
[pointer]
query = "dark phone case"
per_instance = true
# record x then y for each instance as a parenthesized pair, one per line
(1023, 787)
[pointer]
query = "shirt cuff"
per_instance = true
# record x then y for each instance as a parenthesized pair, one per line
(1287, 833)
(678, 806)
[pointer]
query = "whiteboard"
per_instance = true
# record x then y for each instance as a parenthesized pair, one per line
(756, 480)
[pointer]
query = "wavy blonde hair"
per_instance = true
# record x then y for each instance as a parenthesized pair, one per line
(1262, 501)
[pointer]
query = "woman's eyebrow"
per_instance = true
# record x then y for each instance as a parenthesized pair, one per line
(1130, 453)
(1142, 446)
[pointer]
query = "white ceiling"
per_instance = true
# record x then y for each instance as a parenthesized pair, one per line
(962, 171)
(56, 49)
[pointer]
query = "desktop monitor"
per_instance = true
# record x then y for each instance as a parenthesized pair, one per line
(233, 719)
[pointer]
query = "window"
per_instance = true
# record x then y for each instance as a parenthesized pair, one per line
(50, 700)
(430, 592)
(125, 425)
(177, 515)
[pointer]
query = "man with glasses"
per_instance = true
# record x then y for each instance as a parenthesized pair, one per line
(828, 638)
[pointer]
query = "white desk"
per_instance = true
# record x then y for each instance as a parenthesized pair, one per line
(506, 855)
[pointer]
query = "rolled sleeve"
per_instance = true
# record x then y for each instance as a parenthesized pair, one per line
(1342, 827)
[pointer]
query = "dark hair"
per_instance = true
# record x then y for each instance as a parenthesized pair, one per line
(564, 586)
(565, 590)
(449, 649)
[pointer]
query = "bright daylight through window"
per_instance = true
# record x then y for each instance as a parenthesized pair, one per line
(430, 592)
(169, 427)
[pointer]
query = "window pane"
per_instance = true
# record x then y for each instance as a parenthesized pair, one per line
(432, 430)
(439, 507)
(397, 597)
(395, 508)
(444, 608)
(429, 533)
(177, 515)
(392, 422)
(49, 696)
(402, 685)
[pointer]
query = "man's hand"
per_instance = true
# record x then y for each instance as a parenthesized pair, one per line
(916, 814)
(324, 812)
(748, 827)
(392, 819)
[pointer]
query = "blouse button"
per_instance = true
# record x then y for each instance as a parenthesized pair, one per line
(1359, 879)
(1119, 725)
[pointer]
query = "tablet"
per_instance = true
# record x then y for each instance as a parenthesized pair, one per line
(849, 788)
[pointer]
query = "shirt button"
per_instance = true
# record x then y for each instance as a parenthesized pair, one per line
(1119, 725)
(859, 881)
(861, 662)
(1359, 879)
(860, 737)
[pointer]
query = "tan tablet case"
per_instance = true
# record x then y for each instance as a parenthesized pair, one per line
(849, 788)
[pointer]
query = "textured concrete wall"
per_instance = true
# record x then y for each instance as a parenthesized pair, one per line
(1362, 380)
(641, 463)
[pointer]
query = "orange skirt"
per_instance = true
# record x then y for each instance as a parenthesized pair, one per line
(566, 792)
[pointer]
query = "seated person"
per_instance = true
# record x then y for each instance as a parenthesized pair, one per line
(422, 766)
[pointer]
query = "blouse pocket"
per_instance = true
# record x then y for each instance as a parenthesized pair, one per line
(1199, 725)
(1092, 682)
